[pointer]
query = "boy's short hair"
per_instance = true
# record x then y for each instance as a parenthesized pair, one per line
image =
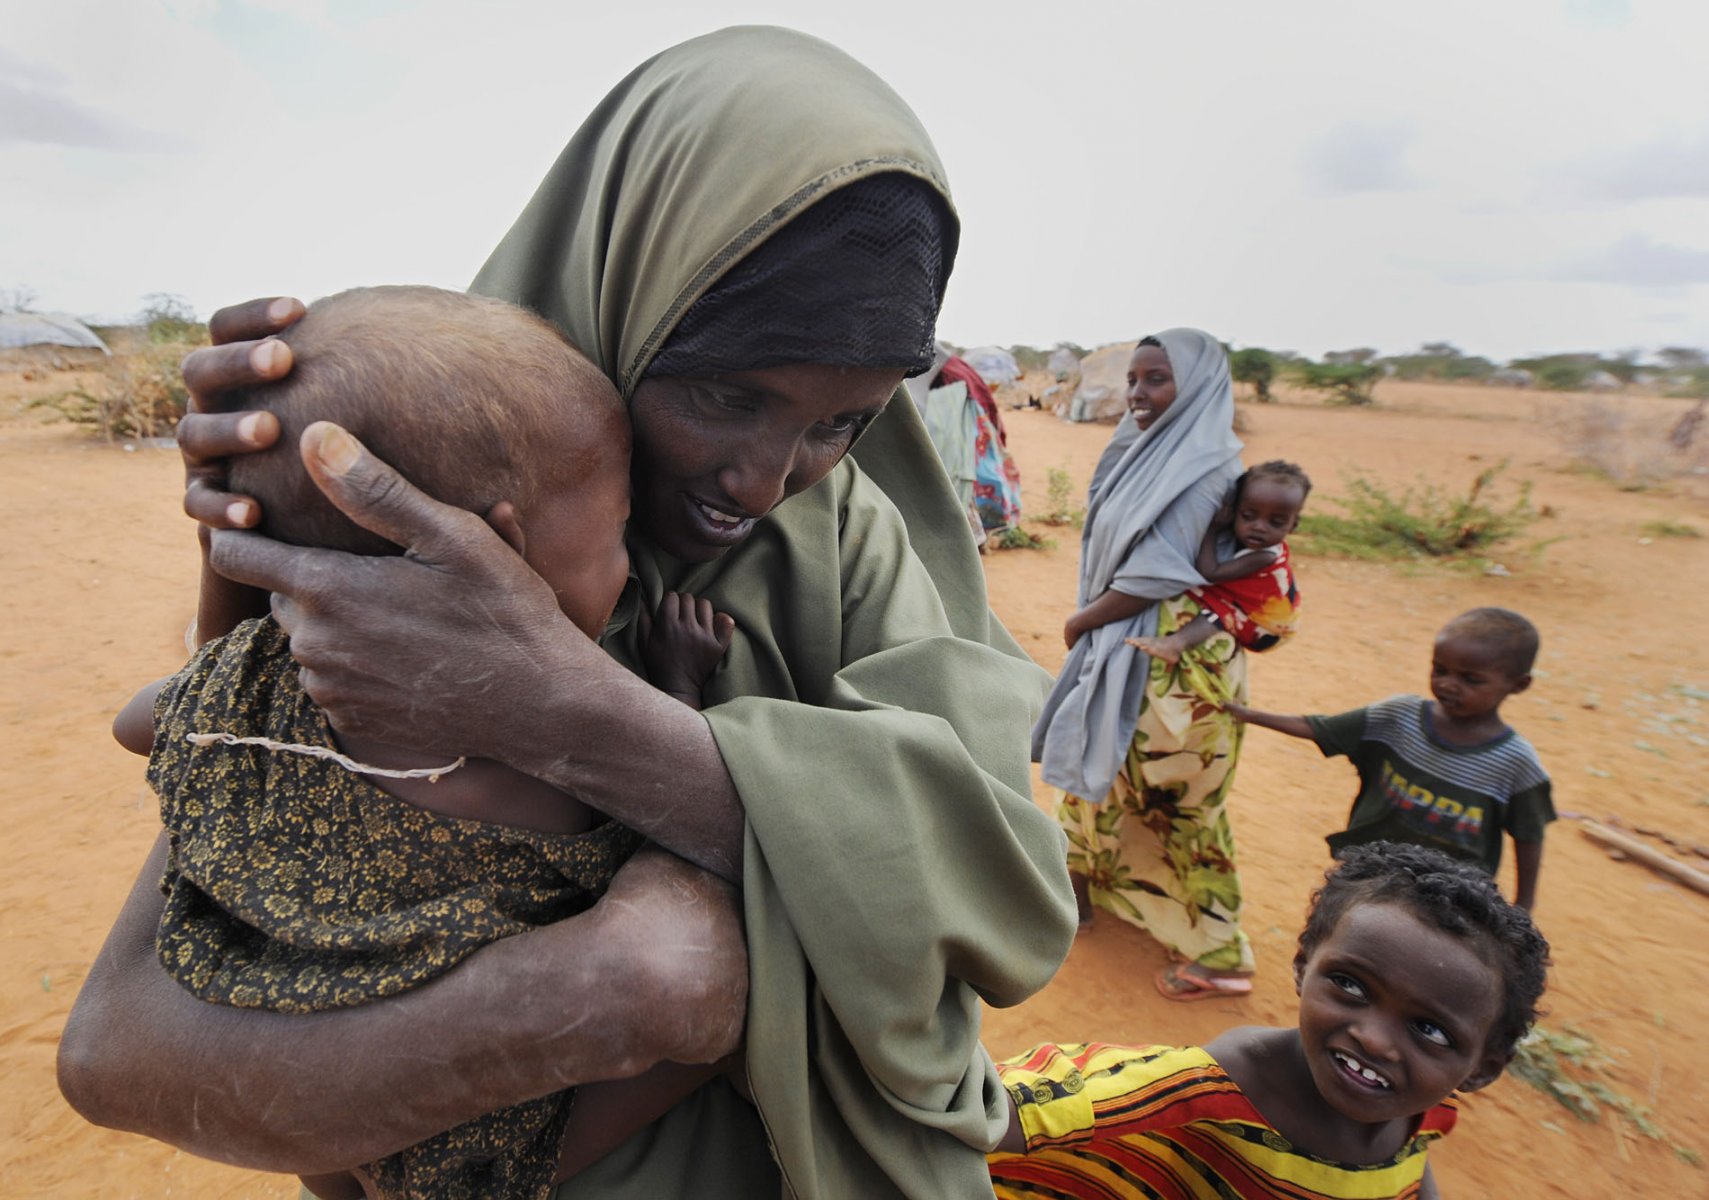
(1513, 639)
(461, 393)
(1456, 897)
(1278, 469)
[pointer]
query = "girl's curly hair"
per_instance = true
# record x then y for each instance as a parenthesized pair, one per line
(1455, 897)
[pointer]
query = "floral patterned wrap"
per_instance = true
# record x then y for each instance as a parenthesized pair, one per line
(1158, 850)
(296, 886)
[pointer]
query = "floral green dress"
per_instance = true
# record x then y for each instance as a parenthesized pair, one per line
(1159, 850)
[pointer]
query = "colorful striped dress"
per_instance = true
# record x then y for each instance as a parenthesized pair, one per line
(1167, 1123)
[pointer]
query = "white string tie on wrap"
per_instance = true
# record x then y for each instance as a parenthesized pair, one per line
(431, 774)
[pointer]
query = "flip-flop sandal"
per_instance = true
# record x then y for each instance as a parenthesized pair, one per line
(1174, 983)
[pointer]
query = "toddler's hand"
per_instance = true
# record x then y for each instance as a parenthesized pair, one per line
(683, 644)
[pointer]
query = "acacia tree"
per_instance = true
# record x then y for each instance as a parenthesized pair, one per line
(1344, 382)
(1254, 366)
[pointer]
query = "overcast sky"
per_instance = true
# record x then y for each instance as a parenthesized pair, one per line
(1514, 176)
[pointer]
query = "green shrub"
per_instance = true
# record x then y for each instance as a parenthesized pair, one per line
(1423, 521)
(1059, 497)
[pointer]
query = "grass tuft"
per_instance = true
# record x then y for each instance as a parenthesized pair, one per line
(1569, 1067)
(1669, 529)
(1017, 538)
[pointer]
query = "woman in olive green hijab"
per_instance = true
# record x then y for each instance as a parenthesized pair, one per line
(750, 235)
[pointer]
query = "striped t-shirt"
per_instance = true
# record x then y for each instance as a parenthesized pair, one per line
(1413, 787)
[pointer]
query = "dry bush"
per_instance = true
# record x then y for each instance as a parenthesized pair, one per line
(140, 394)
(1608, 439)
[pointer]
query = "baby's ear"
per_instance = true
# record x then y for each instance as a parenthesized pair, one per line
(504, 521)
(1488, 1070)
(1520, 683)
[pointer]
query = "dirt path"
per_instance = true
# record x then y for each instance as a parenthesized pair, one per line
(99, 580)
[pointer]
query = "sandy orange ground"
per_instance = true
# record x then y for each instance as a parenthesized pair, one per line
(99, 576)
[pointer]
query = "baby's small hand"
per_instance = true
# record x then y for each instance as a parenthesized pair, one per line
(683, 645)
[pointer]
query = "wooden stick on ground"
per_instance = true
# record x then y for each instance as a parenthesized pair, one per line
(1691, 877)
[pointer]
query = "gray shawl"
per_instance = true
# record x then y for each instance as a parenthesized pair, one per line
(1153, 495)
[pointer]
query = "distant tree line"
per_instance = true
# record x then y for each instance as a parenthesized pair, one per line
(1350, 376)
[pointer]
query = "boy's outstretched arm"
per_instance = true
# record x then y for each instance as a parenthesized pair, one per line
(1291, 725)
(1529, 858)
(1427, 1189)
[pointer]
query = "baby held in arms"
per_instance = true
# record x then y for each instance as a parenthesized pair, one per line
(314, 868)
(1251, 593)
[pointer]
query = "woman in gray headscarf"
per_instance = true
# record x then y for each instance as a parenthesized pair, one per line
(1143, 755)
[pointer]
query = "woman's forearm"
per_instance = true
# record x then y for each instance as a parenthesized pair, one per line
(640, 756)
(308, 1094)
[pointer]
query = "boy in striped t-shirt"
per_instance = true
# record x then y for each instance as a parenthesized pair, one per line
(1447, 772)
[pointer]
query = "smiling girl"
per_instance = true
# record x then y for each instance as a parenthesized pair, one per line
(1416, 980)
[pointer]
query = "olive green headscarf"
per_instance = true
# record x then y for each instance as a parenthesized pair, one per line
(691, 162)
(872, 713)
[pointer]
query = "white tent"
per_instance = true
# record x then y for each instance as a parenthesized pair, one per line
(1102, 394)
(1063, 362)
(994, 364)
(23, 330)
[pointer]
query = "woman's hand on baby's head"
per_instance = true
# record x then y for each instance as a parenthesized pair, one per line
(245, 353)
(440, 647)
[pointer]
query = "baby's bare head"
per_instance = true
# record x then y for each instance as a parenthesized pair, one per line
(473, 400)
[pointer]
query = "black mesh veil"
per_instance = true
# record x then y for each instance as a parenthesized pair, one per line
(855, 280)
